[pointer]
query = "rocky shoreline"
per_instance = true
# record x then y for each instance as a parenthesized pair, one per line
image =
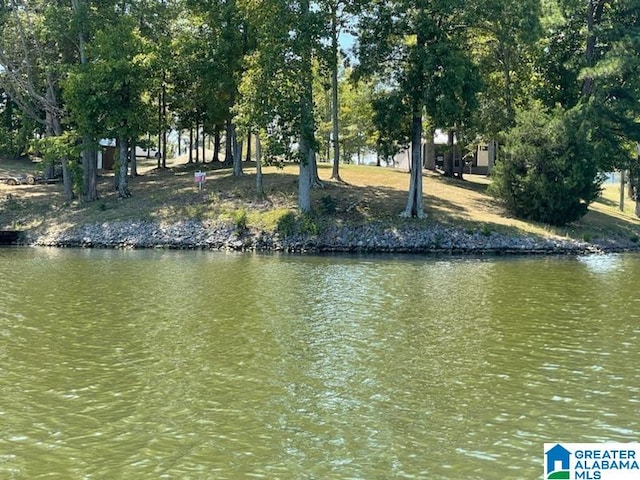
(193, 234)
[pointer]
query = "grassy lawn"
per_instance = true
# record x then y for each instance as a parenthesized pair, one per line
(368, 194)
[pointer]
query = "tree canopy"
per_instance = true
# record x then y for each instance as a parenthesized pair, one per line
(92, 69)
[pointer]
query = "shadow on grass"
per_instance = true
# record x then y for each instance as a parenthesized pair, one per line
(464, 184)
(608, 202)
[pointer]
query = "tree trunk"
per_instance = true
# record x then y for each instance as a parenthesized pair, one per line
(313, 171)
(595, 9)
(55, 127)
(197, 144)
(448, 158)
(430, 151)
(123, 157)
(460, 160)
(508, 84)
(190, 154)
(237, 153)
(67, 180)
(216, 144)
(204, 146)
(248, 157)
(304, 178)
(259, 181)
(493, 150)
(228, 147)
(414, 202)
(164, 119)
(89, 170)
(159, 152)
(637, 181)
(307, 127)
(89, 153)
(622, 182)
(134, 160)
(335, 173)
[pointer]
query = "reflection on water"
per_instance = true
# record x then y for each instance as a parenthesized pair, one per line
(204, 365)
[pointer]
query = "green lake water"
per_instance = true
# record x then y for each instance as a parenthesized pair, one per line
(200, 365)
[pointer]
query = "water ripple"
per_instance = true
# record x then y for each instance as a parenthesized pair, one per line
(199, 365)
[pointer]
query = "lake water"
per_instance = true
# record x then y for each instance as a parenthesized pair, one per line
(200, 365)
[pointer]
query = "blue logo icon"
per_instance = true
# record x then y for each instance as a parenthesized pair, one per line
(558, 463)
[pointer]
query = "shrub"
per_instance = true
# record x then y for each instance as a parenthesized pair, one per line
(548, 173)
(292, 224)
(239, 218)
(287, 224)
(308, 225)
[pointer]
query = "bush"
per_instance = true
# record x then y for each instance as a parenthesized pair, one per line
(548, 173)
(240, 219)
(294, 224)
(287, 224)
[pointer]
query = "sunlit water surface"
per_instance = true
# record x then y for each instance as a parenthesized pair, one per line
(199, 365)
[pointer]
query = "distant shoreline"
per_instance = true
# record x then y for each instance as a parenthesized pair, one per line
(202, 235)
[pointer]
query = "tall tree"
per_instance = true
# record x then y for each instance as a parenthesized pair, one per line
(106, 96)
(81, 15)
(278, 87)
(335, 13)
(158, 23)
(418, 49)
(32, 64)
(598, 43)
(227, 38)
(595, 127)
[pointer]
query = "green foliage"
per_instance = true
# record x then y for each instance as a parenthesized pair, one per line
(297, 224)
(240, 220)
(308, 224)
(287, 225)
(277, 79)
(105, 97)
(548, 173)
(63, 148)
(558, 61)
(392, 121)
(504, 43)
(53, 149)
(16, 129)
(589, 61)
(357, 132)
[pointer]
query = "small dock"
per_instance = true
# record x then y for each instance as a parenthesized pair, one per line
(9, 237)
